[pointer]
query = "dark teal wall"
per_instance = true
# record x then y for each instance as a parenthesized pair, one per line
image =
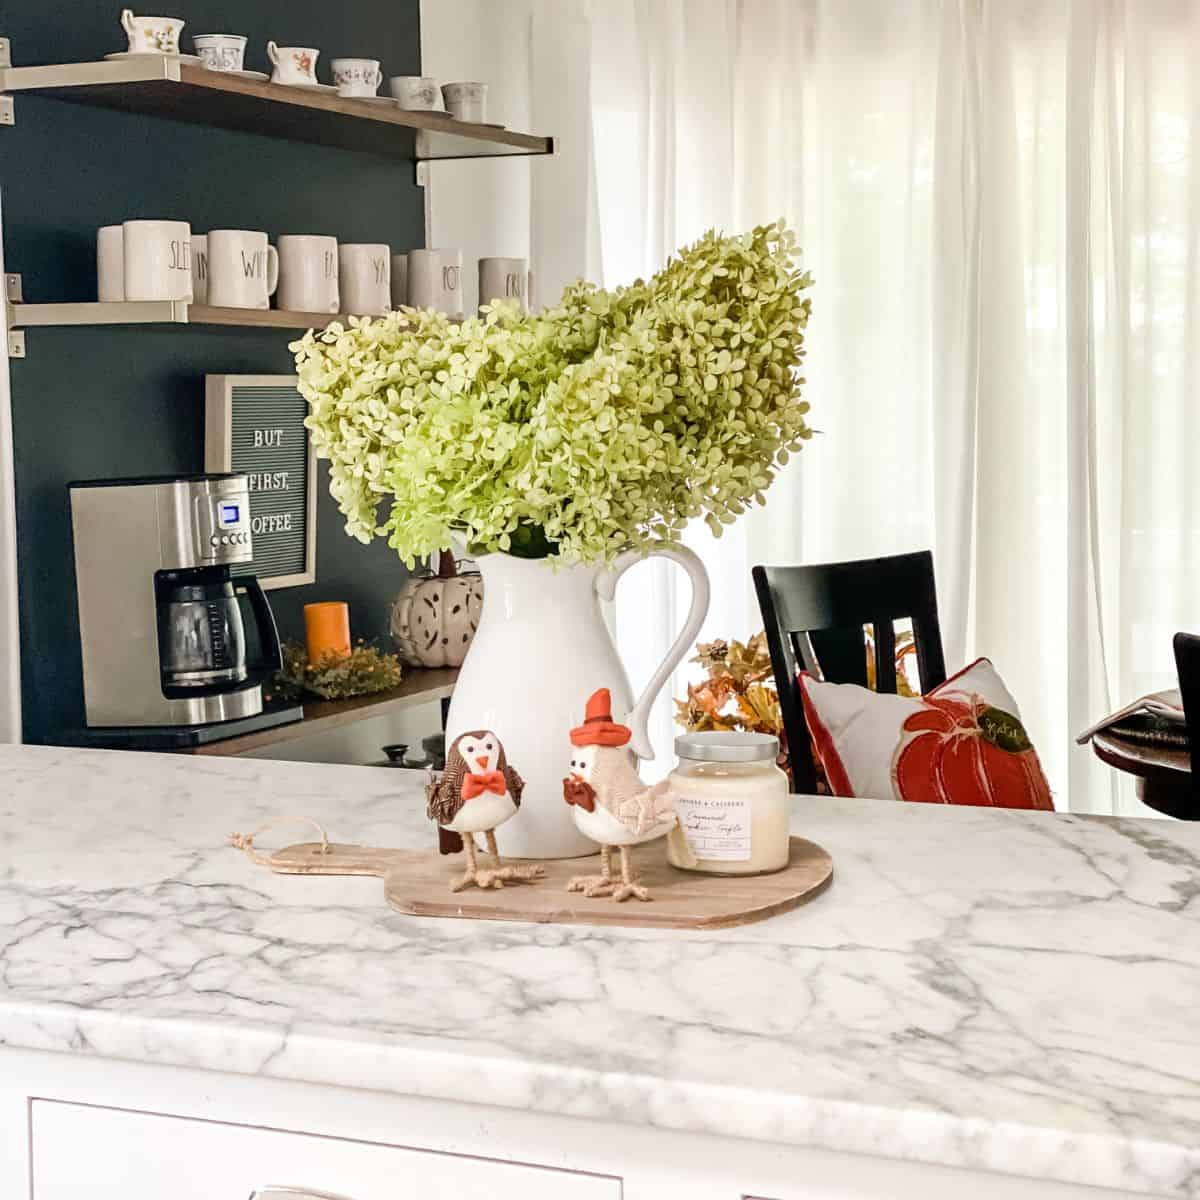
(95, 403)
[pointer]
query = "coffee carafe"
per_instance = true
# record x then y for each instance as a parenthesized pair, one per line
(161, 625)
(201, 635)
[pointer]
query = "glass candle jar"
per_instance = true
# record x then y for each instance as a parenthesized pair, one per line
(733, 805)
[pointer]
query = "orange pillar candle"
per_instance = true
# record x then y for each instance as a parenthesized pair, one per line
(327, 630)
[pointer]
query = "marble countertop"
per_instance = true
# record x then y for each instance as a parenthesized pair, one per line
(1016, 992)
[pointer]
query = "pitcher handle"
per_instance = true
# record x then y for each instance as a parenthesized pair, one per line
(606, 587)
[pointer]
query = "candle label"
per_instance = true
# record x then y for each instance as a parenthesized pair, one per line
(718, 830)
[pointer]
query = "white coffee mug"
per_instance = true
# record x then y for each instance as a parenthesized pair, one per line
(419, 92)
(503, 279)
(466, 101)
(365, 278)
(221, 51)
(243, 269)
(356, 76)
(157, 260)
(293, 64)
(200, 268)
(110, 263)
(308, 273)
(399, 280)
(151, 35)
(435, 280)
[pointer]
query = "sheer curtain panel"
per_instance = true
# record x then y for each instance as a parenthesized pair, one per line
(1000, 202)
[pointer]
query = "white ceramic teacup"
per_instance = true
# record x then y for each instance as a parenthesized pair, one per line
(293, 64)
(308, 273)
(435, 280)
(466, 101)
(503, 279)
(356, 76)
(221, 51)
(243, 269)
(418, 92)
(151, 35)
(200, 268)
(110, 263)
(365, 278)
(157, 260)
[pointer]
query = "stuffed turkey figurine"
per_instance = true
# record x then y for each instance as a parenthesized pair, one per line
(477, 792)
(611, 805)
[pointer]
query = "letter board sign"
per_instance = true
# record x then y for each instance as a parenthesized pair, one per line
(254, 425)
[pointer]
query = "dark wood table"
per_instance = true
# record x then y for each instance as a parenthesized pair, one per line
(1163, 773)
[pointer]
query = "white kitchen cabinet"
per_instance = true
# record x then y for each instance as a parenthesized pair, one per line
(80, 1151)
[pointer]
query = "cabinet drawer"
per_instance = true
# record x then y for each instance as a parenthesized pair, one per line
(112, 1154)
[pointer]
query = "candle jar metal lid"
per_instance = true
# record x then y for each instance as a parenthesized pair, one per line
(727, 747)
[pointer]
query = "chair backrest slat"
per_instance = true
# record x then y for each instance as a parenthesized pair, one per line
(815, 615)
(884, 636)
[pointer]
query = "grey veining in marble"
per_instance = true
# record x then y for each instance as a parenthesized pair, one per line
(1007, 991)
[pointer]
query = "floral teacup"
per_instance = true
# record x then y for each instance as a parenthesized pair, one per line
(151, 35)
(221, 51)
(418, 92)
(357, 76)
(293, 64)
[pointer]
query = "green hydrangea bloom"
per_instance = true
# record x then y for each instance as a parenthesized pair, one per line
(605, 423)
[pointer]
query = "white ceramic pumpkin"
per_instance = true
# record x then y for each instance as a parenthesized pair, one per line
(434, 617)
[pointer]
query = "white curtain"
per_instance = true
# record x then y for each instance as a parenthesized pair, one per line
(1000, 202)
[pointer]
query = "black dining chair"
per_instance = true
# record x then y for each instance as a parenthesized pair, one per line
(1187, 663)
(815, 618)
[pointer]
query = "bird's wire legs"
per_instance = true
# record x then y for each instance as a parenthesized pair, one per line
(472, 873)
(519, 874)
(497, 876)
(595, 885)
(628, 886)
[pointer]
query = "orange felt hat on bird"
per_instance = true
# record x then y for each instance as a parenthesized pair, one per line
(598, 728)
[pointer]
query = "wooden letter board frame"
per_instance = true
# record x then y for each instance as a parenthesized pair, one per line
(218, 456)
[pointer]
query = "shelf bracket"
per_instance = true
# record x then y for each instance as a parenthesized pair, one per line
(421, 178)
(14, 338)
(8, 114)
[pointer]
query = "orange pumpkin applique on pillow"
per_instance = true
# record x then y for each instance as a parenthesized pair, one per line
(962, 743)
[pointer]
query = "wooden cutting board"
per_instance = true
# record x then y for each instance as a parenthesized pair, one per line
(418, 882)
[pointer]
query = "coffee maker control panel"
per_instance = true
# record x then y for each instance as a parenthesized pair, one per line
(223, 527)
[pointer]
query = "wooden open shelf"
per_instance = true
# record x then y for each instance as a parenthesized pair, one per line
(183, 91)
(163, 312)
(419, 686)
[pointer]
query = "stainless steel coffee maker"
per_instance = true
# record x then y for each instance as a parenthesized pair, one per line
(160, 621)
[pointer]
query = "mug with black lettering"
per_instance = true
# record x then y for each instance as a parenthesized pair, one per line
(435, 280)
(308, 273)
(243, 269)
(200, 268)
(157, 260)
(365, 278)
(503, 279)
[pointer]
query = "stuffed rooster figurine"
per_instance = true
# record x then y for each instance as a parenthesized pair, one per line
(477, 791)
(611, 804)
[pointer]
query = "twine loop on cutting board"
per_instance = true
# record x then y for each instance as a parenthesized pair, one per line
(245, 841)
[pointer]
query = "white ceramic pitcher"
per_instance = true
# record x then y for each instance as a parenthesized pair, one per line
(541, 649)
